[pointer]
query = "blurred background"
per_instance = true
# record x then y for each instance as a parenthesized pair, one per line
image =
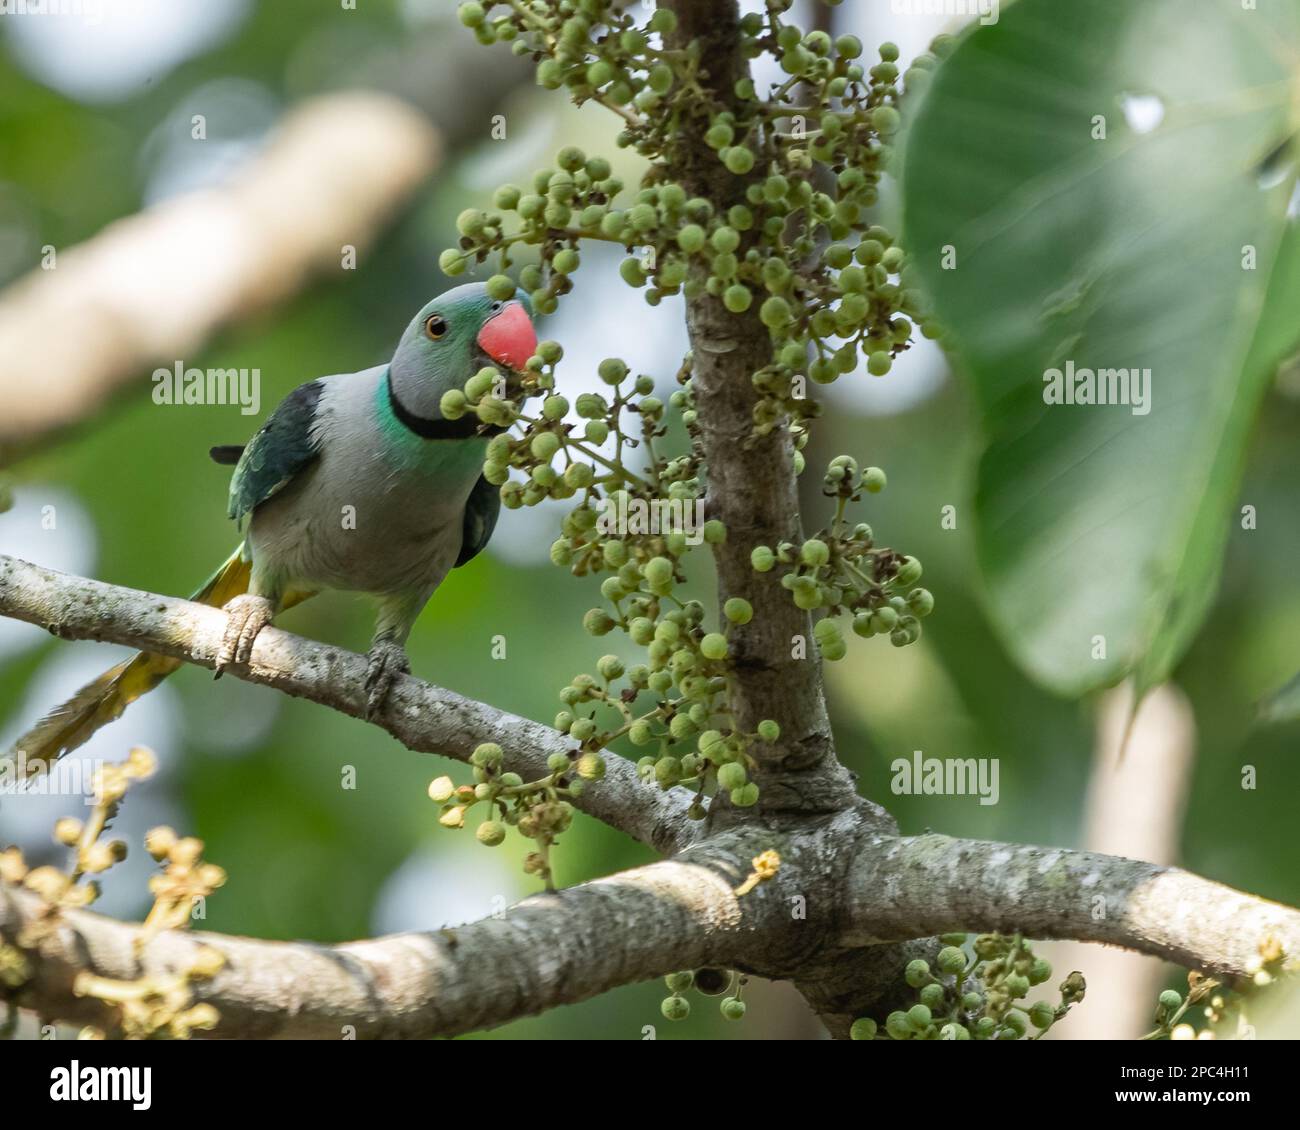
(96, 123)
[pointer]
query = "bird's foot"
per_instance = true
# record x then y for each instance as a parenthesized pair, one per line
(386, 661)
(246, 616)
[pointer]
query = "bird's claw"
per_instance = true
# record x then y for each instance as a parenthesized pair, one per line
(246, 615)
(385, 662)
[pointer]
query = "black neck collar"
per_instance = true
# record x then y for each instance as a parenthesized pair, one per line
(464, 428)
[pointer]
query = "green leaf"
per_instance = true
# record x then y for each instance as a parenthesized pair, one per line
(1124, 252)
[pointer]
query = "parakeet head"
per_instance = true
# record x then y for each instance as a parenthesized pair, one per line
(451, 338)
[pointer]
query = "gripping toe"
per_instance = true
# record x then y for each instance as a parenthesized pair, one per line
(386, 661)
(246, 616)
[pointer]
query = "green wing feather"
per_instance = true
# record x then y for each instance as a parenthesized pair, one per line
(282, 447)
(481, 513)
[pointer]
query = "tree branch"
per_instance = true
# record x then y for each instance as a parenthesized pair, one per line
(932, 884)
(548, 950)
(751, 481)
(423, 717)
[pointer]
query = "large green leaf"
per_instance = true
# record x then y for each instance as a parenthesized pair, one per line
(1127, 252)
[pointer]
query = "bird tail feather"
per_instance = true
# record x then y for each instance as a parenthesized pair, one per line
(102, 700)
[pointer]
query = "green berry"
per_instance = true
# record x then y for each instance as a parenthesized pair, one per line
(917, 973)
(487, 755)
(501, 287)
(746, 796)
(762, 558)
(691, 238)
(714, 646)
(737, 298)
(775, 312)
(815, 552)
(675, 1008)
(951, 960)
(768, 730)
(1042, 1015)
(453, 404)
(610, 667)
(874, 480)
(566, 261)
(631, 272)
(719, 135)
(932, 996)
(1039, 971)
(725, 239)
(680, 982)
(739, 159)
(612, 370)
(668, 770)
(590, 766)
(738, 610)
(733, 1008)
(732, 776)
(885, 119)
(920, 601)
(909, 572)
(544, 445)
(896, 1024)
(570, 158)
(880, 362)
(864, 1028)
(659, 571)
(598, 622)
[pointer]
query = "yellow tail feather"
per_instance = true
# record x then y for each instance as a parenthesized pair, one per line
(102, 700)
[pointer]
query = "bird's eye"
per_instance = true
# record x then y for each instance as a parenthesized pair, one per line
(435, 326)
(496, 307)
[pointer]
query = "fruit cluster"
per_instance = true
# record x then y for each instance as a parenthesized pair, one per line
(974, 995)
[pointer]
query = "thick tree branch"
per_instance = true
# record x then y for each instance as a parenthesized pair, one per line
(752, 486)
(918, 885)
(548, 950)
(424, 718)
(561, 948)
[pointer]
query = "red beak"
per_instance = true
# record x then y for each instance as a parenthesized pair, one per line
(508, 337)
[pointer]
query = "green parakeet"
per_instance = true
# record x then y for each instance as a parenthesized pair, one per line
(355, 482)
